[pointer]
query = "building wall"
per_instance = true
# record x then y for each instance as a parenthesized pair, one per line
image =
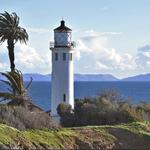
(62, 79)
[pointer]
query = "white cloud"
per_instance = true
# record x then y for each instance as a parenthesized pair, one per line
(148, 63)
(77, 54)
(37, 30)
(143, 57)
(30, 60)
(100, 66)
(92, 55)
(3, 48)
(94, 46)
(27, 59)
(94, 33)
(3, 66)
(146, 54)
(144, 48)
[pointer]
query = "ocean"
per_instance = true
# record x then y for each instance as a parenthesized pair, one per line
(135, 91)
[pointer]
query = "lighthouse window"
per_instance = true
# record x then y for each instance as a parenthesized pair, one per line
(70, 56)
(64, 97)
(64, 56)
(56, 56)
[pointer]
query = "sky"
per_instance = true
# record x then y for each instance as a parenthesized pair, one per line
(112, 36)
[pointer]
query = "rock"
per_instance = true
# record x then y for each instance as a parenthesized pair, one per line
(84, 144)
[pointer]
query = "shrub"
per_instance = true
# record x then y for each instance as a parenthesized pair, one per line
(21, 118)
(63, 109)
(108, 108)
(66, 114)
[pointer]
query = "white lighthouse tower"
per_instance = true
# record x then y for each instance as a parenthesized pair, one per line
(62, 87)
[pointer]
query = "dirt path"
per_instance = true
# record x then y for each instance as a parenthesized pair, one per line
(91, 139)
(128, 140)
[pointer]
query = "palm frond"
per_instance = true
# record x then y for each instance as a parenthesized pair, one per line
(21, 35)
(10, 77)
(9, 28)
(16, 89)
(2, 99)
(6, 18)
(6, 82)
(15, 82)
(11, 32)
(15, 19)
(10, 96)
(29, 84)
(6, 95)
(8, 89)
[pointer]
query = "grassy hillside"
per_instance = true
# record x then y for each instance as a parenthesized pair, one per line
(129, 136)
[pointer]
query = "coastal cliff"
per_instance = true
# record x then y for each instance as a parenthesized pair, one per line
(125, 136)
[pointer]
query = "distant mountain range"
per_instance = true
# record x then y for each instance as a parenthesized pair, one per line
(37, 77)
(87, 77)
(141, 77)
(94, 77)
(77, 77)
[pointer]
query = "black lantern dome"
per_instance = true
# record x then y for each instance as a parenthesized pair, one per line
(62, 27)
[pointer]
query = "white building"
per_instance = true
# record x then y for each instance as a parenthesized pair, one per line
(62, 87)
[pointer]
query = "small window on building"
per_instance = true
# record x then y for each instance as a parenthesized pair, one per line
(71, 56)
(64, 97)
(56, 56)
(64, 56)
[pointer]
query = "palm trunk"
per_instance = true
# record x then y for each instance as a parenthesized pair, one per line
(11, 54)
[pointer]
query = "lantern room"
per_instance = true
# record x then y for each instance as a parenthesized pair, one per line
(62, 36)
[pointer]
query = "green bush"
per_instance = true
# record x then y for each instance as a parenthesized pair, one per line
(109, 108)
(66, 114)
(63, 109)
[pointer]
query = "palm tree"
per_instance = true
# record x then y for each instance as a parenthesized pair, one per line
(11, 32)
(16, 88)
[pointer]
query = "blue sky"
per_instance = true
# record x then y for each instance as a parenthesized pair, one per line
(110, 34)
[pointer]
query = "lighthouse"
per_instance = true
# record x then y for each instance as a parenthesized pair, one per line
(62, 86)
